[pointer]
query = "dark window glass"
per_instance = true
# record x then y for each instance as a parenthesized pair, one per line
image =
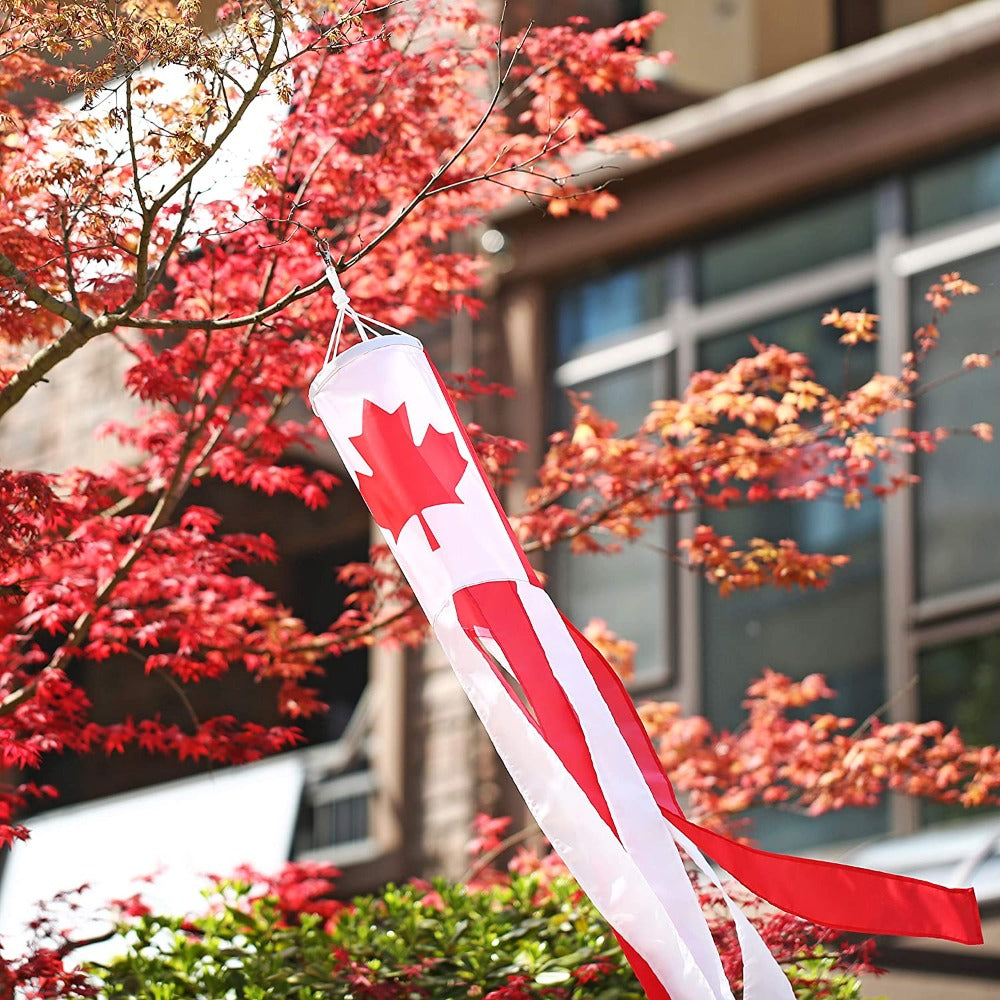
(958, 500)
(960, 685)
(627, 589)
(836, 631)
(317, 597)
(956, 189)
(591, 311)
(787, 245)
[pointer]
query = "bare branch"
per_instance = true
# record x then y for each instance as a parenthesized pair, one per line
(948, 377)
(249, 96)
(49, 356)
(427, 190)
(139, 293)
(505, 845)
(67, 249)
(227, 322)
(10, 704)
(39, 295)
(176, 238)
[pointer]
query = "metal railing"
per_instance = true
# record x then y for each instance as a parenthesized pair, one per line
(335, 815)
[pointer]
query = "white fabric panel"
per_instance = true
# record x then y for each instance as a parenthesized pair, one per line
(181, 831)
(646, 835)
(763, 978)
(641, 827)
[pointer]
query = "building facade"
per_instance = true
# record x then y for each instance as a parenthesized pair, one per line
(848, 165)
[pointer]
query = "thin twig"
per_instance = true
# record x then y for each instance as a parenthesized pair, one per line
(426, 190)
(490, 856)
(886, 705)
(949, 377)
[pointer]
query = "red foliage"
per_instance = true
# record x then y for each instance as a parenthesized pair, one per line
(763, 429)
(812, 765)
(517, 988)
(390, 142)
(488, 833)
(299, 887)
(42, 975)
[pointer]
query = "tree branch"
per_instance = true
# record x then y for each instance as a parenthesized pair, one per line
(949, 377)
(85, 328)
(428, 189)
(39, 295)
(82, 332)
(249, 96)
(489, 857)
(11, 702)
(227, 322)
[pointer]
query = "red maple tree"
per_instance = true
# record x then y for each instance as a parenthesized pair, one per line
(399, 127)
(393, 127)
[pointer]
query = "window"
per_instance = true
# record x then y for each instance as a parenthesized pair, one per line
(836, 631)
(959, 682)
(628, 590)
(592, 311)
(956, 189)
(303, 580)
(787, 245)
(317, 596)
(618, 316)
(624, 339)
(953, 524)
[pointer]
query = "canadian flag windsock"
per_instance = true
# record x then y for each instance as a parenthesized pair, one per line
(571, 737)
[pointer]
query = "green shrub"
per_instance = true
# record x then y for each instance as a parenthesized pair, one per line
(526, 937)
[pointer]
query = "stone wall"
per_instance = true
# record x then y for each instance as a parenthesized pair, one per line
(54, 426)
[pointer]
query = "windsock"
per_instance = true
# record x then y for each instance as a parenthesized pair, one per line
(557, 713)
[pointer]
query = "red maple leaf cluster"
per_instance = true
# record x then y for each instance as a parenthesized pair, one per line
(395, 131)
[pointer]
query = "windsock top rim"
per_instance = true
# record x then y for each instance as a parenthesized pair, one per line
(356, 351)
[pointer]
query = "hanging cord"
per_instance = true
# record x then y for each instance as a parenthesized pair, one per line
(342, 301)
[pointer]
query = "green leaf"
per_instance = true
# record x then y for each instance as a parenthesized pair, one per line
(552, 977)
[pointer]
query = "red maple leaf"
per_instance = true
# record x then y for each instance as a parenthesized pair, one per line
(407, 478)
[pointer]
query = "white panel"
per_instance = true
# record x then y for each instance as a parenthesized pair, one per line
(181, 831)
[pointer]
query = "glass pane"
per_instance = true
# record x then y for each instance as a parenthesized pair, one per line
(958, 514)
(593, 310)
(628, 589)
(960, 685)
(788, 245)
(804, 332)
(625, 396)
(955, 189)
(836, 631)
